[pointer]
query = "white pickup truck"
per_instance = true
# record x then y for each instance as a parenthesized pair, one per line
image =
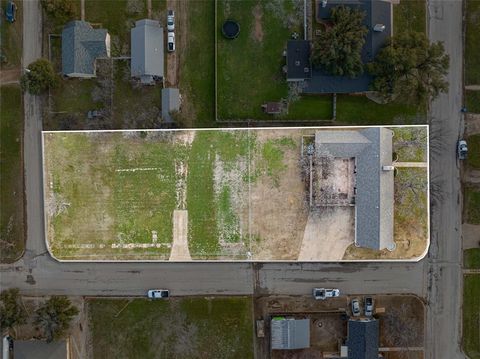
(322, 293)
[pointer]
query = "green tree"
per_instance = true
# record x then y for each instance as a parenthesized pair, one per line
(410, 69)
(12, 312)
(338, 49)
(59, 11)
(54, 316)
(38, 77)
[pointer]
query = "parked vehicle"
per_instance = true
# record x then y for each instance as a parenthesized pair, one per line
(171, 42)
(356, 307)
(158, 294)
(322, 293)
(10, 11)
(462, 149)
(170, 20)
(368, 306)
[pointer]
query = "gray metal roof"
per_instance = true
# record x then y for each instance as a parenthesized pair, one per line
(372, 149)
(290, 333)
(81, 45)
(376, 12)
(298, 60)
(362, 339)
(147, 50)
(39, 349)
(170, 103)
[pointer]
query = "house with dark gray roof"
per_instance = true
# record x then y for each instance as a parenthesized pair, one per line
(379, 22)
(290, 333)
(298, 60)
(147, 62)
(371, 149)
(362, 339)
(82, 45)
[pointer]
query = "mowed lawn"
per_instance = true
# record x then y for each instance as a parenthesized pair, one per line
(472, 99)
(471, 315)
(409, 15)
(174, 328)
(249, 68)
(472, 43)
(473, 159)
(11, 174)
(472, 205)
(471, 258)
(11, 38)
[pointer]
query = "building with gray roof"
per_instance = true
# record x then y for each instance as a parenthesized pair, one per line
(379, 22)
(362, 339)
(82, 45)
(290, 333)
(147, 51)
(371, 149)
(170, 103)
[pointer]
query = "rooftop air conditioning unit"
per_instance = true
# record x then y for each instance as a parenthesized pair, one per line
(297, 63)
(306, 70)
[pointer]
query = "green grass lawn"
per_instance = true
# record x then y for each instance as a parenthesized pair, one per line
(249, 67)
(409, 15)
(474, 151)
(471, 258)
(74, 95)
(197, 67)
(472, 205)
(471, 315)
(11, 38)
(11, 178)
(174, 328)
(472, 43)
(359, 110)
(410, 144)
(311, 107)
(473, 101)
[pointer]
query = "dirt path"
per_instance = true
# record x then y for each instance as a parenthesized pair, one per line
(472, 124)
(10, 76)
(149, 8)
(472, 87)
(180, 251)
(174, 58)
(327, 235)
(471, 235)
(82, 10)
(472, 176)
(411, 164)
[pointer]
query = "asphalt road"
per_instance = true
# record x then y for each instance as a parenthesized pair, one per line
(438, 278)
(445, 289)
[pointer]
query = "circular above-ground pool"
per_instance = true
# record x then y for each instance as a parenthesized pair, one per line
(230, 29)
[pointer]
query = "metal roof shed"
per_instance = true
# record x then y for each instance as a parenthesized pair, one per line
(289, 333)
(170, 103)
(147, 50)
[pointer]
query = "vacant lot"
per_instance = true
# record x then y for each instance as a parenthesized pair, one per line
(472, 43)
(113, 194)
(11, 169)
(177, 328)
(471, 315)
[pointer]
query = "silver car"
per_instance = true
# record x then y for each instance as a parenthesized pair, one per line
(462, 149)
(356, 307)
(171, 21)
(368, 306)
(158, 294)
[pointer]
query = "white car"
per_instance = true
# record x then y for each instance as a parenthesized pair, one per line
(158, 294)
(170, 20)
(171, 42)
(356, 307)
(322, 293)
(462, 149)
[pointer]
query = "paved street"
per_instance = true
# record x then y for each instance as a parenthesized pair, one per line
(444, 271)
(438, 278)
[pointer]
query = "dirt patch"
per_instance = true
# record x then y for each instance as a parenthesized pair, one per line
(278, 213)
(181, 33)
(10, 76)
(180, 250)
(257, 32)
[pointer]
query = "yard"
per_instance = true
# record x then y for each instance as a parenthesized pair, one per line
(471, 315)
(472, 43)
(472, 205)
(11, 38)
(471, 258)
(473, 101)
(410, 15)
(175, 328)
(12, 241)
(473, 159)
